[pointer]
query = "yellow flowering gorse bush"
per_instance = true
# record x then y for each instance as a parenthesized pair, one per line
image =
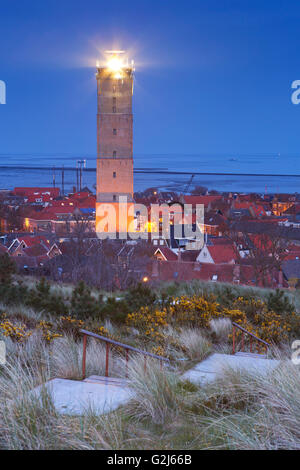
(15, 332)
(197, 311)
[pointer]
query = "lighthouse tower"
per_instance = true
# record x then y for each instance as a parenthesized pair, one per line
(114, 211)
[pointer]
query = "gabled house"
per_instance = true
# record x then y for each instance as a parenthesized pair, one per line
(20, 245)
(218, 254)
(164, 253)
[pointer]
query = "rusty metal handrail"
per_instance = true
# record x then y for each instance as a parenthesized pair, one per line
(259, 340)
(108, 342)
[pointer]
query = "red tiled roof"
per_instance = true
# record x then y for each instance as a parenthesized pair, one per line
(202, 199)
(88, 202)
(185, 271)
(189, 255)
(168, 254)
(38, 198)
(63, 203)
(213, 219)
(258, 210)
(31, 241)
(222, 253)
(36, 250)
(261, 241)
(80, 195)
(220, 241)
(50, 213)
(20, 191)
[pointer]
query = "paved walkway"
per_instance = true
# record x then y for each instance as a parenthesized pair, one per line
(73, 397)
(209, 369)
(105, 394)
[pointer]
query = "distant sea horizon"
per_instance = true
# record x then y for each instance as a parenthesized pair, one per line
(165, 172)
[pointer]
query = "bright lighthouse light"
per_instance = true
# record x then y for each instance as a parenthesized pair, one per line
(115, 64)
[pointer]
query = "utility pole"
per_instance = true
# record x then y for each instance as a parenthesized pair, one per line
(80, 164)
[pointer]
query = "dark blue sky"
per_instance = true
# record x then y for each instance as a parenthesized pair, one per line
(211, 76)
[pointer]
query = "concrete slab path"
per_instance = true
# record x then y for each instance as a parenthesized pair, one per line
(212, 367)
(73, 397)
(105, 394)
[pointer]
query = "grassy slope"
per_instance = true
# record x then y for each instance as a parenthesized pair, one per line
(176, 289)
(239, 411)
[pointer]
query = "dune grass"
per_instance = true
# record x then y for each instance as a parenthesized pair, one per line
(241, 410)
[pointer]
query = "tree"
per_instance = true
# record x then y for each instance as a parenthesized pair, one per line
(7, 268)
(83, 303)
(199, 191)
(266, 252)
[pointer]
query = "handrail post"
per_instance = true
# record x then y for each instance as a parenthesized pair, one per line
(259, 343)
(84, 356)
(106, 360)
(108, 342)
(145, 363)
(233, 340)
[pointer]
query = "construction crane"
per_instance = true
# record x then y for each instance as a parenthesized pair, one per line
(188, 184)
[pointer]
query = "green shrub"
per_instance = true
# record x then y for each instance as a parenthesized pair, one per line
(139, 296)
(41, 298)
(115, 310)
(83, 304)
(7, 268)
(279, 302)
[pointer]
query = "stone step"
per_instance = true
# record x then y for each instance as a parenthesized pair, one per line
(74, 397)
(212, 367)
(101, 380)
(249, 354)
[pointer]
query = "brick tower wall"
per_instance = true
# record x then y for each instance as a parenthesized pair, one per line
(114, 143)
(114, 135)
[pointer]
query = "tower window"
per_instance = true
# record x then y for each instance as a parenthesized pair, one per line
(114, 131)
(114, 174)
(114, 153)
(114, 101)
(114, 109)
(114, 198)
(114, 88)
